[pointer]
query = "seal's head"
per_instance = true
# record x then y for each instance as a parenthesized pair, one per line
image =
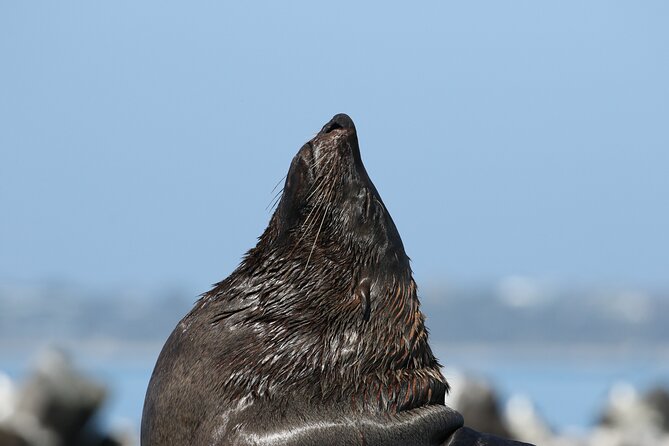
(325, 305)
(328, 195)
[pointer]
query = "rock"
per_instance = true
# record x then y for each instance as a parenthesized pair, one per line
(658, 400)
(479, 404)
(625, 410)
(629, 419)
(525, 422)
(7, 397)
(10, 438)
(61, 398)
(55, 407)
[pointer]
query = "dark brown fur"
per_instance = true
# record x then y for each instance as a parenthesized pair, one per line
(317, 337)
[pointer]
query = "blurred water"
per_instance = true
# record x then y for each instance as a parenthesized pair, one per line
(569, 392)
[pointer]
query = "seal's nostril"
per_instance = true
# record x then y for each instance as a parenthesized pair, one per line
(330, 127)
(340, 121)
(343, 120)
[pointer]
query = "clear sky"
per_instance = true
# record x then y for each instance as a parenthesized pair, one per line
(140, 141)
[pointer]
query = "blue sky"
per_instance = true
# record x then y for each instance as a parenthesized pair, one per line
(140, 141)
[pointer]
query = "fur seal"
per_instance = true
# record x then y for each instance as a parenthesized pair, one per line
(317, 337)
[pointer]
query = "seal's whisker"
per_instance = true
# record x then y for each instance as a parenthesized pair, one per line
(316, 188)
(322, 179)
(279, 182)
(275, 200)
(325, 213)
(315, 212)
(307, 222)
(306, 231)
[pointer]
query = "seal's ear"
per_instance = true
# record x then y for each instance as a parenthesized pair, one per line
(361, 295)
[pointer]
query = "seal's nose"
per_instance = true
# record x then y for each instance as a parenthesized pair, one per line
(340, 121)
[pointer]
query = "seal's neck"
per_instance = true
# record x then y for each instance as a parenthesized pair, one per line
(388, 356)
(333, 326)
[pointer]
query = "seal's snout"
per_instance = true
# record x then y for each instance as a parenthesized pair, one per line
(340, 121)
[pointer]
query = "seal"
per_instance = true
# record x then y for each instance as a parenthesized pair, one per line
(317, 337)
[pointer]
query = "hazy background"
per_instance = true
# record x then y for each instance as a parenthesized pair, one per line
(522, 148)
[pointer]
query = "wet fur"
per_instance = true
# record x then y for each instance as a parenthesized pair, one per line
(317, 337)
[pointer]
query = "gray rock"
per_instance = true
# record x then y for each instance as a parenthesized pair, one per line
(56, 407)
(479, 404)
